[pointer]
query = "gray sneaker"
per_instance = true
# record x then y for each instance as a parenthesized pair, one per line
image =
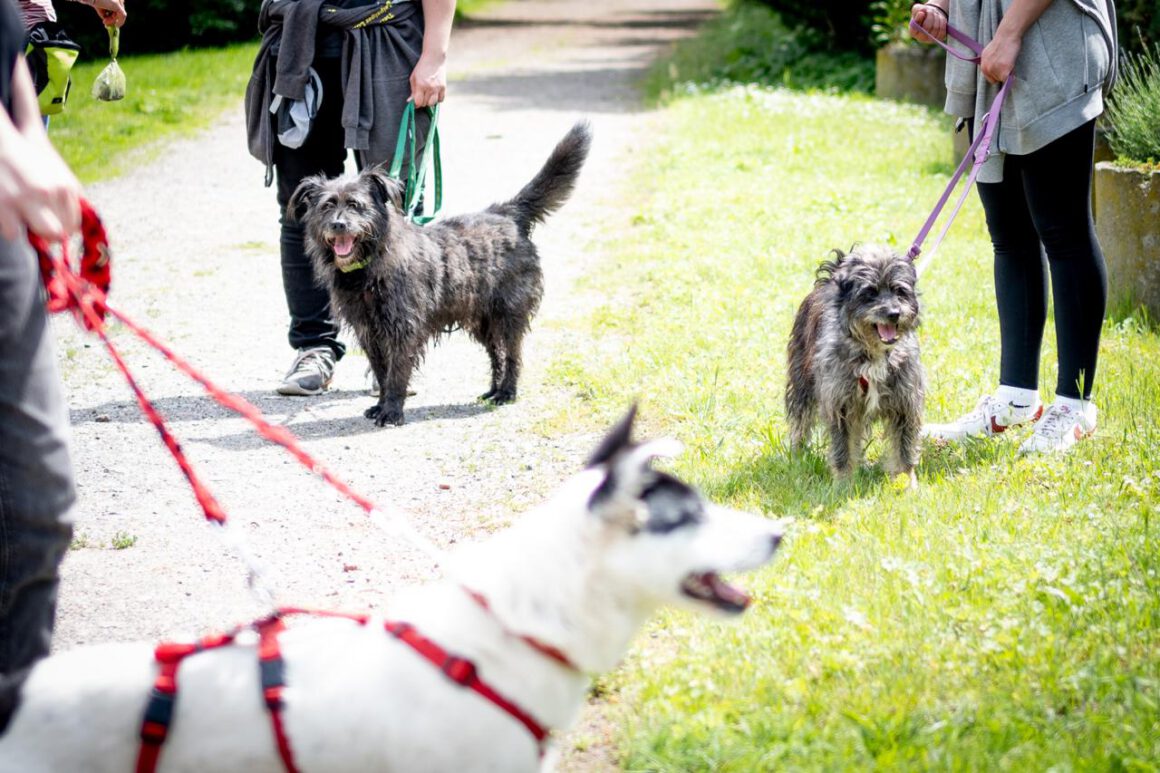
(311, 372)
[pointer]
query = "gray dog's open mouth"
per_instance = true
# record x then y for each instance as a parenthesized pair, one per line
(343, 246)
(710, 588)
(887, 333)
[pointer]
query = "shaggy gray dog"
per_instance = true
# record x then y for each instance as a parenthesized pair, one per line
(853, 358)
(398, 285)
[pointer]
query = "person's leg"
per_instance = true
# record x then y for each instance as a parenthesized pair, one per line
(1058, 182)
(1021, 298)
(1020, 277)
(311, 322)
(36, 481)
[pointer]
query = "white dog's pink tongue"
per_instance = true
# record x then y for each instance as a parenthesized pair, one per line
(726, 592)
(887, 333)
(343, 246)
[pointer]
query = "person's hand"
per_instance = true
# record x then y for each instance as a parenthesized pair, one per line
(999, 56)
(38, 192)
(429, 81)
(932, 21)
(112, 12)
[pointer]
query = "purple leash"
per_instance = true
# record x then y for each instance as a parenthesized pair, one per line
(976, 154)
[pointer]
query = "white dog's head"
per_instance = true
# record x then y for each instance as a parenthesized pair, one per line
(661, 539)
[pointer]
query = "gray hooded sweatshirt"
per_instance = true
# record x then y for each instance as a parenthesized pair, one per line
(1066, 63)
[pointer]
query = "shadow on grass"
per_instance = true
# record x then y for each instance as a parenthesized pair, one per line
(801, 485)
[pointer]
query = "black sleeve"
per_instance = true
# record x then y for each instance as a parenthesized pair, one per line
(11, 44)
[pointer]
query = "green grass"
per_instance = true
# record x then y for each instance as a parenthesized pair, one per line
(167, 95)
(1006, 616)
(750, 44)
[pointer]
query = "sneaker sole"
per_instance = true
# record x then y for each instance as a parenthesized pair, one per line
(295, 390)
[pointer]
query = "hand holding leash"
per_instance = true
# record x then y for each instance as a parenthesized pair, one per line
(931, 22)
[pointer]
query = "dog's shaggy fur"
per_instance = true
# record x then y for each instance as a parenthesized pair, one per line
(479, 271)
(854, 358)
(581, 573)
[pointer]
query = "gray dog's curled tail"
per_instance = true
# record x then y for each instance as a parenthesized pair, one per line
(553, 184)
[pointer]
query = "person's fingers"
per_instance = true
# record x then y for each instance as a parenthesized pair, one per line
(43, 222)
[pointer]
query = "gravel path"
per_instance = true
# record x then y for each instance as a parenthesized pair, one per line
(195, 238)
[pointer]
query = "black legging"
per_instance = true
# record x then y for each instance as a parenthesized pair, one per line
(1043, 205)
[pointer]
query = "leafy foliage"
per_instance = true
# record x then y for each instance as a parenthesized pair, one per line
(844, 24)
(751, 44)
(163, 25)
(890, 21)
(1139, 24)
(1134, 108)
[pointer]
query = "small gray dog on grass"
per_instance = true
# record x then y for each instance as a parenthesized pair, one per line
(853, 358)
(398, 285)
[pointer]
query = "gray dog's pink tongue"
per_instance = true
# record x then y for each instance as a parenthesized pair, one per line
(887, 332)
(343, 246)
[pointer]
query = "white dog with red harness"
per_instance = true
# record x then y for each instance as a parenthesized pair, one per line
(470, 673)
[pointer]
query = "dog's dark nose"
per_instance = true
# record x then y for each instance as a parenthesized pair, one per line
(893, 316)
(339, 226)
(774, 541)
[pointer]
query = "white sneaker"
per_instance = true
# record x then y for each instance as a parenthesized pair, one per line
(991, 416)
(311, 372)
(1060, 428)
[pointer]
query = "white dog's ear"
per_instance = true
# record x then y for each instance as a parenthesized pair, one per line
(626, 468)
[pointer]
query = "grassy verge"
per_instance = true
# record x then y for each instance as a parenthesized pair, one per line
(1005, 616)
(167, 95)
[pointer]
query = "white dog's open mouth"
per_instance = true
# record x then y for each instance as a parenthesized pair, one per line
(710, 588)
(887, 333)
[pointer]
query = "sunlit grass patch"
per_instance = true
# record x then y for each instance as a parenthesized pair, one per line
(1006, 615)
(167, 95)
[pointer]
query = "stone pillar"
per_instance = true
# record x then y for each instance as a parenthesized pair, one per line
(1128, 225)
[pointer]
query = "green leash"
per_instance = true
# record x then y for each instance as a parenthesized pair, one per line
(416, 182)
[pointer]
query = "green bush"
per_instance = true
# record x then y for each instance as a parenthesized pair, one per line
(163, 25)
(1139, 23)
(1134, 108)
(844, 25)
(889, 21)
(750, 43)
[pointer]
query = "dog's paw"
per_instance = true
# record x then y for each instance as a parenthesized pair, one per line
(389, 416)
(373, 411)
(487, 396)
(502, 397)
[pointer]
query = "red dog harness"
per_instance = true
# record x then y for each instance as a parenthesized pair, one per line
(461, 671)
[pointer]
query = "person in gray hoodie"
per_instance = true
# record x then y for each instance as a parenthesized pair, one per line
(354, 64)
(1035, 188)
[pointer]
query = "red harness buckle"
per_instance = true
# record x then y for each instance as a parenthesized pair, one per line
(459, 670)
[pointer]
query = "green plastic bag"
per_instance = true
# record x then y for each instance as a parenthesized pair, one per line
(110, 84)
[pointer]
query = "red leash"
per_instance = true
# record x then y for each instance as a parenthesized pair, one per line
(85, 294)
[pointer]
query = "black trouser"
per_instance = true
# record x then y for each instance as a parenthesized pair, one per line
(311, 321)
(36, 480)
(1043, 205)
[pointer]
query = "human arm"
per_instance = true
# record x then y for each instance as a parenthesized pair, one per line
(38, 192)
(429, 78)
(1000, 54)
(932, 20)
(112, 12)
